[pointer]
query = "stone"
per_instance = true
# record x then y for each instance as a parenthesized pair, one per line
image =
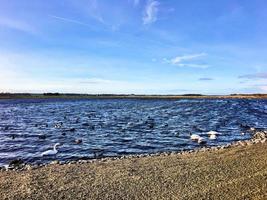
(54, 162)
(17, 163)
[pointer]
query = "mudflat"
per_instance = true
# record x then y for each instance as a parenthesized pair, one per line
(238, 172)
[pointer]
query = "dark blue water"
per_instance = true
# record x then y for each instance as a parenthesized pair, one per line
(120, 127)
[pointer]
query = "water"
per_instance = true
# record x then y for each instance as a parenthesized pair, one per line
(117, 127)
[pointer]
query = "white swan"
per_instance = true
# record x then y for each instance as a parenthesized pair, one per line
(51, 152)
(201, 140)
(213, 137)
(213, 133)
(195, 137)
(198, 139)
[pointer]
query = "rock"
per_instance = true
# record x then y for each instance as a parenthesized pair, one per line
(28, 167)
(54, 162)
(203, 149)
(17, 163)
(260, 135)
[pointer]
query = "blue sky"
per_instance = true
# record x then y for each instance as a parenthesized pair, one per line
(133, 46)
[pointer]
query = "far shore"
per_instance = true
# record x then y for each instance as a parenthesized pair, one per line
(124, 96)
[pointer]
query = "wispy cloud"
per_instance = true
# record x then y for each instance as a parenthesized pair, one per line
(17, 25)
(70, 20)
(180, 59)
(201, 66)
(187, 61)
(151, 11)
(254, 76)
(205, 79)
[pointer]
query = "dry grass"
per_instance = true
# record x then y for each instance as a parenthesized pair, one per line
(235, 173)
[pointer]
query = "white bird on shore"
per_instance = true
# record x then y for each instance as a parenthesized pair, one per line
(51, 152)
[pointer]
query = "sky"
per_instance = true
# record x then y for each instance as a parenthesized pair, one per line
(133, 46)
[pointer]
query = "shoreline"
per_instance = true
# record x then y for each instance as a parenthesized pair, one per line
(238, 171)
(257, 137)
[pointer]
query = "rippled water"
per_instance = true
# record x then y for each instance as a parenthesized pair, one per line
(119, 127)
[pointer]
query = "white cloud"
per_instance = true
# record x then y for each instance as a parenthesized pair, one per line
(179, 59)
(151, 11)
(262, 75)
(183, 61)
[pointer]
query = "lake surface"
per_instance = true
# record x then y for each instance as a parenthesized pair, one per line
(117, 127)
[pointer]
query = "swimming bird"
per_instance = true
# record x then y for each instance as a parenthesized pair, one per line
(201, 140)
(58, 125)
(213, 133)
(51, 152)
(213, 137)
(195, 137)
(78, 141)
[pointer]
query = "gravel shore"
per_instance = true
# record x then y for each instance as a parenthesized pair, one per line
(239, 172)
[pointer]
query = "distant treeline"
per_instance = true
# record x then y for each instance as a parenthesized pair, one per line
(74, 95)
(192, 95)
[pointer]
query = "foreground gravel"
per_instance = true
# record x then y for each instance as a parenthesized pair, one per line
(239, 172)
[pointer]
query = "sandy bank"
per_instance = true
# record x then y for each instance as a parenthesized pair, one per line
(238, 172)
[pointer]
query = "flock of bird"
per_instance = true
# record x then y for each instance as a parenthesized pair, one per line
(194, 137)
(212, 135)
(201, 140)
